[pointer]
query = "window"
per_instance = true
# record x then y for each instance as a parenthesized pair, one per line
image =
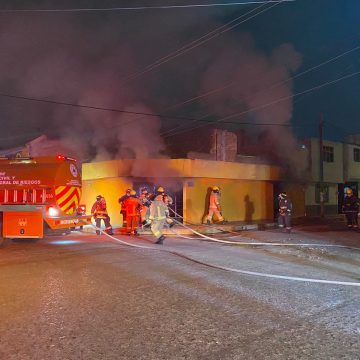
(357, 154)
(328, 154)
(321, 193)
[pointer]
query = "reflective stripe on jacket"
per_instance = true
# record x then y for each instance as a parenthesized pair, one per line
(158, 209)
(214, 201)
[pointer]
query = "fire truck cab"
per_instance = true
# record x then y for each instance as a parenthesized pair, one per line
(39, 195)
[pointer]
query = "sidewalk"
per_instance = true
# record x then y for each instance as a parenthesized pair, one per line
(334, 223)
(213, 228)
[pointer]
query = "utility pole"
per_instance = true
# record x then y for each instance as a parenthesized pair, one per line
(321, 164)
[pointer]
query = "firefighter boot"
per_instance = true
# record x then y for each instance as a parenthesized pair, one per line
(160, 240)
(208, 222)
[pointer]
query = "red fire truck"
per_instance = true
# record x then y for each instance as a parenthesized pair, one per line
(39, 196)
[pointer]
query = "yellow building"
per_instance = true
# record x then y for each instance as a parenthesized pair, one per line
(247, 189)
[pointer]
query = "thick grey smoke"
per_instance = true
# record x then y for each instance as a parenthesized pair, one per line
(84, 59)
(259, 81)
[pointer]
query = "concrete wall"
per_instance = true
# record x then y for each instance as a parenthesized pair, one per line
(241, 200)
(352, 168)
(330, 207)
(111, 189)
(333, 172)
(181, 168)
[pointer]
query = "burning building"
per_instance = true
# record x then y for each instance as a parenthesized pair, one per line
(247, 188)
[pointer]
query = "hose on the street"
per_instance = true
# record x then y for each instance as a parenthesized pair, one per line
(229, 269)
(237, 243)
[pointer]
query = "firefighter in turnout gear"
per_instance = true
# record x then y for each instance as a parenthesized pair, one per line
(99, 212)
(285, 209)
(168, 201)
(145, 205)
(351, 209)
(132, 207)
(158, 215)
(122, 207)
(215, 206)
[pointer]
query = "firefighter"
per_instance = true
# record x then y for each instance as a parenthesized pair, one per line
(158, 211)
(351, 209)
(145, 205)
(80, 210)
(168, 201)
(215, 206)
(285, 209)
(122, 207)
(132, 207)
(99, 212)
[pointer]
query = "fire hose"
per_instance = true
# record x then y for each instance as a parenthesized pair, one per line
(229, 269)
(230, 242)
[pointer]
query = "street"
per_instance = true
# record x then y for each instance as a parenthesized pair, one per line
(83, 296)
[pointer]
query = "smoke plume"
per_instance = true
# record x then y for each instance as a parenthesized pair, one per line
(86, 58)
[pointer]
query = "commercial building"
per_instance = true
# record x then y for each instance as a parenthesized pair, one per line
(247, 189)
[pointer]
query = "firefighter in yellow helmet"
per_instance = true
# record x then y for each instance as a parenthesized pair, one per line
(215, 206)
(158, 215)
(351, 208)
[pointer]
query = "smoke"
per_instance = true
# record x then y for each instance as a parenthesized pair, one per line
(85, 59)
(261, 93)
(82, 59)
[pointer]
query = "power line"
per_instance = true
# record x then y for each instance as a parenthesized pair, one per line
(161, 7)
(226, 118)
(90, 107)
(200, 41)
(223, 120)
(233, 83)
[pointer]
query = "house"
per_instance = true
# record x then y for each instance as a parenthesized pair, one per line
(340, 168)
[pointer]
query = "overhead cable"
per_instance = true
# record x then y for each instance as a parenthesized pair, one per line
(263, 106)
(223, 120)
(132, 8)
(90, 107)
(200, 41)
(234, 83)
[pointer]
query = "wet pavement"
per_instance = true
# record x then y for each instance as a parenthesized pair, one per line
(84, 296)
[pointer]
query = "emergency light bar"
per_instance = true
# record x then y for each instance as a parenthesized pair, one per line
(62, 158)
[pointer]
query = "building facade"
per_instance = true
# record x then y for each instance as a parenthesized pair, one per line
(340, 169)
(246, 189)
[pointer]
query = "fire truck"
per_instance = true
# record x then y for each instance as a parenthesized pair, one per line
(38, 196)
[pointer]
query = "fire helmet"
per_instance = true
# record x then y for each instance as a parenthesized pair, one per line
(160, 190)
(132, 193)
(349, 191)
(282, 195)
(99, 197)
(215, 188)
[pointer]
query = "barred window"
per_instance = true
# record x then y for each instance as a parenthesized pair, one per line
(357, 154)
(328, 154)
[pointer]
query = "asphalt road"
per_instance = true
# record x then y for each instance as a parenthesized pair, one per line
(84, 296)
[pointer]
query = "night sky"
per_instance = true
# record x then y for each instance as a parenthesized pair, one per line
(97, 59)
